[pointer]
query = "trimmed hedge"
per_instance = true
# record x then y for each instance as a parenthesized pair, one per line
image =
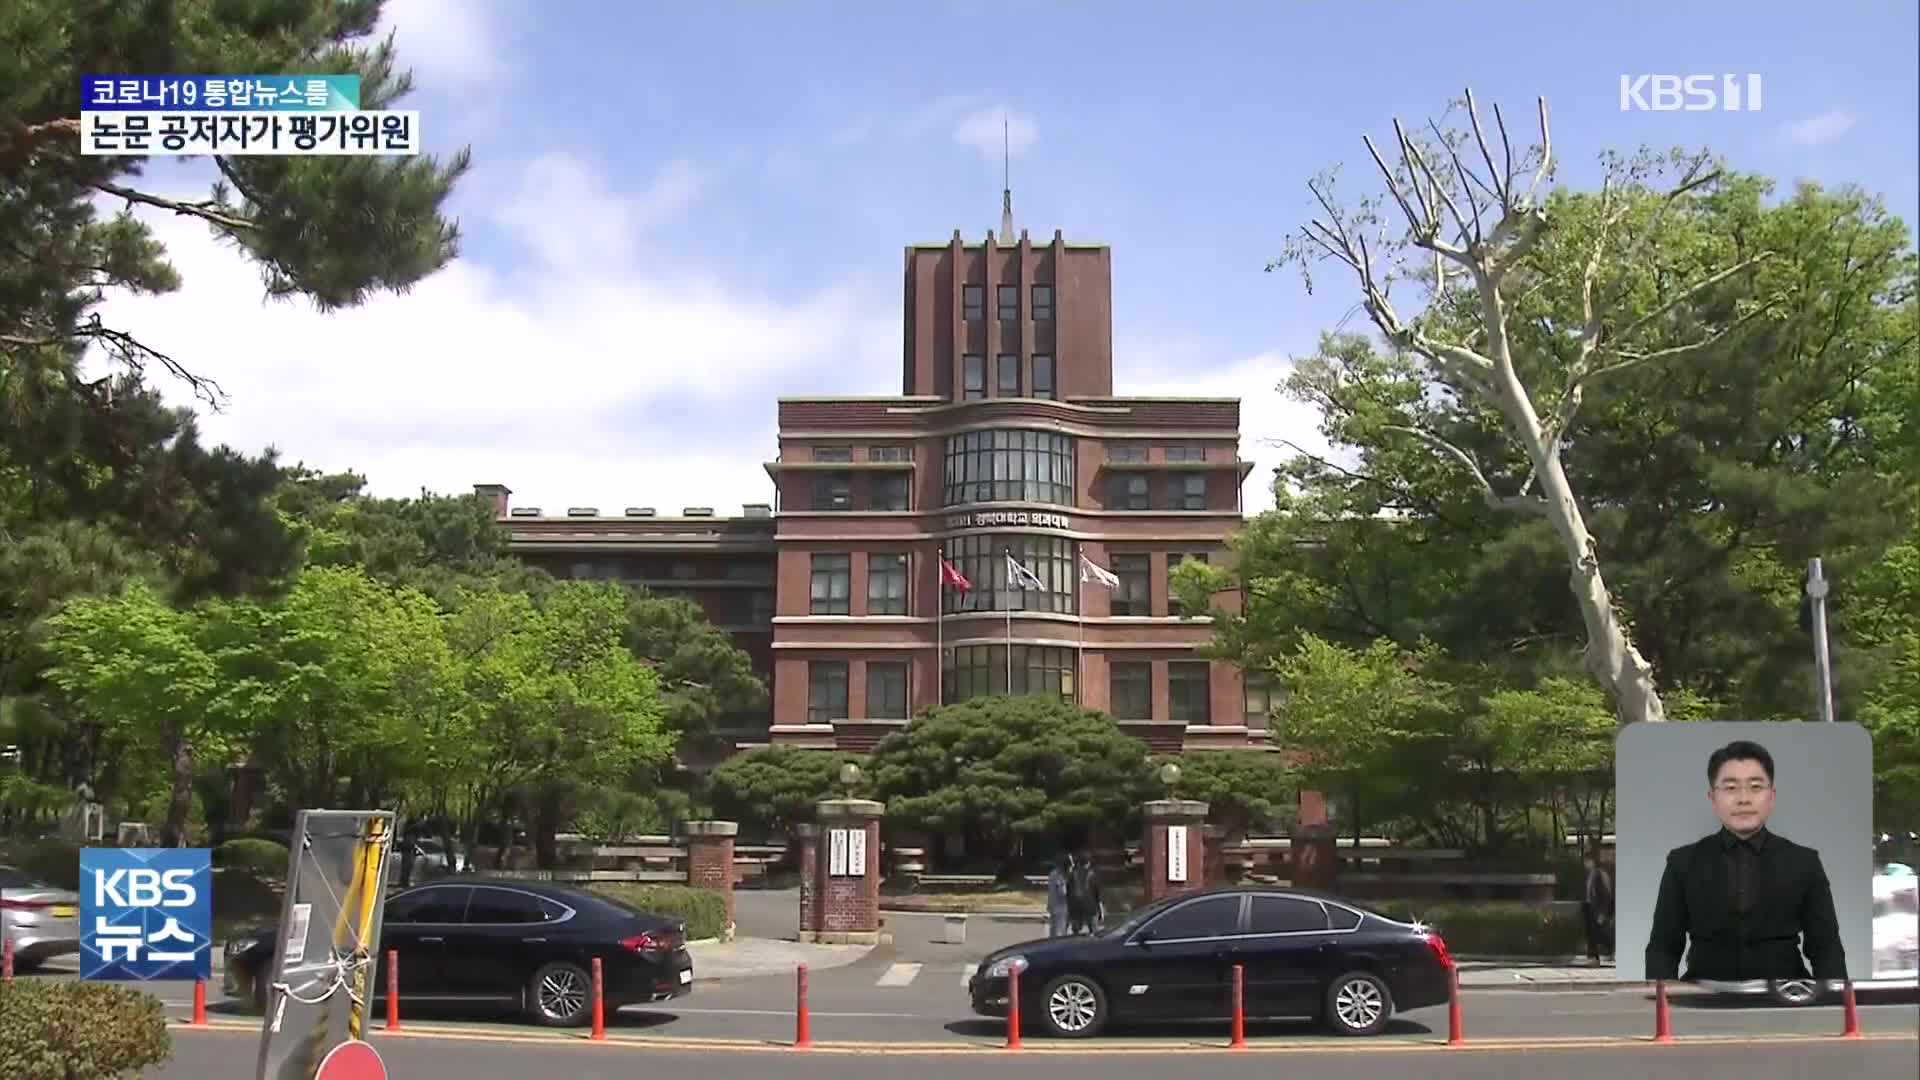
(704, 912)
(55, 862)
(1495, 927)
(268, 858)
(72, 1030)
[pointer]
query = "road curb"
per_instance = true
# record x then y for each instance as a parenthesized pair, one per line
(952, 1049)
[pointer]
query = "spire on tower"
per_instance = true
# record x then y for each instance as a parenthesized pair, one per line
(1006, 180)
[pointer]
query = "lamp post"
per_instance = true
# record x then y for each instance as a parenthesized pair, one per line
(1170, 776)
(849, 777)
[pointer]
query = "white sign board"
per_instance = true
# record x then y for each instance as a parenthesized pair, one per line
(837, 852)
(856, 853)
(1176, 854)
(847, 852)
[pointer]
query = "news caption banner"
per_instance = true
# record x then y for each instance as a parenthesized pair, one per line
(236, 115)
(146, 914)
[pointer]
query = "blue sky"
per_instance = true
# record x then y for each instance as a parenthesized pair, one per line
(678, 211)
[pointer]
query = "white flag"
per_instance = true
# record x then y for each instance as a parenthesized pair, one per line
(1019, 577)
(1090, 571)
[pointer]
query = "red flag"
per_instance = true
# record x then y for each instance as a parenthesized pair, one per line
(953, 579)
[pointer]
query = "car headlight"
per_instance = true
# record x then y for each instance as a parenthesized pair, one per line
(1007, 968)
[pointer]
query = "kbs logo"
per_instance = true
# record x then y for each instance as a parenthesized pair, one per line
(1689, 93)
(146, 913)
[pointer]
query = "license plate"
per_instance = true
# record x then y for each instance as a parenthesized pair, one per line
(65, 911)
(686, 976)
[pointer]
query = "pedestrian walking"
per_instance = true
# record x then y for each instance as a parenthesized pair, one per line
(1057, 896)
(1085, 909)
(1597, 907)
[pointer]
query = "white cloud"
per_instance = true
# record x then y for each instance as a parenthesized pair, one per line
(856, 132)
(588, 374)
(564, 211)
(1817, 130)
(935, 114)
(447, 43)
(995, 129)
(1268, 418)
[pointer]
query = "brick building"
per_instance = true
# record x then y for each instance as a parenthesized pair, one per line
(1007, 437)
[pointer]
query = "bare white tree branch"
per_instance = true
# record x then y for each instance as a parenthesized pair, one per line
(1494, 499)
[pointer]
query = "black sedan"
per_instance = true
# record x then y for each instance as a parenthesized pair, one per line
(1302, 954)
(523, 944)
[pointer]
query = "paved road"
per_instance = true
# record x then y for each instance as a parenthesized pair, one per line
(218, 1055)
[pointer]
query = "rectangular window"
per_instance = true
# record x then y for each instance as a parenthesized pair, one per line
(1174, 559)
(1009, 302)
(887, 584)
(833, 491)
(888, 491)
(1009, 466)
(1126, 454)
(1186, 454)
(886, 453)
(1130, 689)
(1128, 492)
(975, 375)
(1188, 695)
(1009, 383)
(831, 585)
(980, 670)
(1042, 376)
(1261, 697)
(973, 302)
(826, 691)
(982, 558)
(833, 453)
(886, 690)
(1043, 303)
(1136, 575)
(1193, 491)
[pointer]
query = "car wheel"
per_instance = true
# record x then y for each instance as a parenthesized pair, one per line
(560, 995)
(1796, 992)
(1073, 1007)
(1358, 1003)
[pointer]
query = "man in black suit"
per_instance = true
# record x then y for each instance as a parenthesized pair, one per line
(1747, 899)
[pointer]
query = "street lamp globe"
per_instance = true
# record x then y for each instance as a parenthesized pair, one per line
(1169, 774)
(849, 775)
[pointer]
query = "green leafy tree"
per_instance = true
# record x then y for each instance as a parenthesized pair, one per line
(559, 706)
(333, 230)
(342, 685)
(1351, 715)
(1548, 311)
(705, 678)
(144, 669)
(777, 787)
(1008, 769)
(1243, 789)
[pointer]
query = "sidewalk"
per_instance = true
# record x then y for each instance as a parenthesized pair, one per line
(744, 957)
(1535, 973)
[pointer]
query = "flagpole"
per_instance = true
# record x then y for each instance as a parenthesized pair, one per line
(1080, 616)
(1009, 601)
(940, 629)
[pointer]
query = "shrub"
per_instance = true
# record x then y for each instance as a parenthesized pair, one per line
(1496, 928)
(55, 862)
(262, 857)
(703, 910)
(73, 1030)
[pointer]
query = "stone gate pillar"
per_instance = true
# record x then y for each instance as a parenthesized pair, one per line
(1314, 857)
(844, 869)
(1175, 846)
(710, 860)
(806, 840)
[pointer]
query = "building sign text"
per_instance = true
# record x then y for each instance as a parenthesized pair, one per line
(988, 519)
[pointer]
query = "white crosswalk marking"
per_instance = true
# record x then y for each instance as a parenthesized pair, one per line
(900, 975)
